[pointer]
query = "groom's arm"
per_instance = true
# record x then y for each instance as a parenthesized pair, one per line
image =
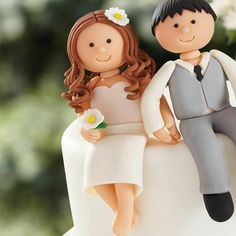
(150, 103)
(228, 64)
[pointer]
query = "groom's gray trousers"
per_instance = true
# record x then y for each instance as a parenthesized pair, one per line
(199, 135)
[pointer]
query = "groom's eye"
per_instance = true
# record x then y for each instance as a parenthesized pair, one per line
(176, 25)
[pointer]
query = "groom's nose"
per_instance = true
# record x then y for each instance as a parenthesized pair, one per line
(185, 29)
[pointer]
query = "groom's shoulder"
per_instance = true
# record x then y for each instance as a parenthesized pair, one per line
(169, 64)
(167, 68)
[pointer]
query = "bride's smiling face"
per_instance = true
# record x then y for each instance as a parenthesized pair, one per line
(100, 48)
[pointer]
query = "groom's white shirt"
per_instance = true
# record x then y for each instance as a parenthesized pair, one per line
(150, 104)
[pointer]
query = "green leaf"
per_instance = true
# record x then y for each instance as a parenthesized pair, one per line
(103, 125)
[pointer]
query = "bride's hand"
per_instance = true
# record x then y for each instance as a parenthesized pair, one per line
(92, 135)
(174, 131)
(164, 136)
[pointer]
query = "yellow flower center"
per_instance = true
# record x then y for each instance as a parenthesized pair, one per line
(91, 119)
(118, 16)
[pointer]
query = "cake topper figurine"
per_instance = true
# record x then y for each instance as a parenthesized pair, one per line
(109, 73)
(198, 90)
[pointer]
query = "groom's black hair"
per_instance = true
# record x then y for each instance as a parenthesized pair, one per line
(171, 7)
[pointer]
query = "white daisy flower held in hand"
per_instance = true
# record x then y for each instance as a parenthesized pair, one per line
(92, 119)
(117, 16)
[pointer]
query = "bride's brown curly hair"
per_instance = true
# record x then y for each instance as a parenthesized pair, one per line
(139, 66)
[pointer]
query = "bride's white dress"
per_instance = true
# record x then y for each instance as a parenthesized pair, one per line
(117, 157)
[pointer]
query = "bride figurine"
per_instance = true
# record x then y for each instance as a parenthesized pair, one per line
(107, 77)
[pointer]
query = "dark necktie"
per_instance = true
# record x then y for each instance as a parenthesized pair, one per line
(198, 71)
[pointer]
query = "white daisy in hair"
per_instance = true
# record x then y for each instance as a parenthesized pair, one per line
(117, 15)
(92, 119)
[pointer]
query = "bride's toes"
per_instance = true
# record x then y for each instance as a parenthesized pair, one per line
(121, 225)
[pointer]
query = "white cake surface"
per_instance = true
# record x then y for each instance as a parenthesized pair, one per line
(170, 205)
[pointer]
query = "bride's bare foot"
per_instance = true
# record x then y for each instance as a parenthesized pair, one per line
(122, 224)
(135, 219)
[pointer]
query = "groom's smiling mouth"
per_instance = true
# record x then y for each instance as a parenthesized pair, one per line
(188, 40)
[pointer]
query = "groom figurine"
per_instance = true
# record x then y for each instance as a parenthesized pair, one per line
(198, 90)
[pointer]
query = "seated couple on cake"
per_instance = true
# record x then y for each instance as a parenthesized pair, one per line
(120, 102)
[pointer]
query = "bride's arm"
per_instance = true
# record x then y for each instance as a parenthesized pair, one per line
(91, 135)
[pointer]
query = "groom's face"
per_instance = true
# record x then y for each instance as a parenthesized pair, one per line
(187, 32)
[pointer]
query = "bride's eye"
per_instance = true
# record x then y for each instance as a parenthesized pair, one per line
(108, 40)
(91, 45)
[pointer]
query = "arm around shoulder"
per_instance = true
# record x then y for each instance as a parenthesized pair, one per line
(150, 103)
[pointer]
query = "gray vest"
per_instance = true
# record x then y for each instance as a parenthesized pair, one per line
(192, 98)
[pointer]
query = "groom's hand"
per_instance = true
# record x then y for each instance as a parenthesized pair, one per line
(164, 136)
